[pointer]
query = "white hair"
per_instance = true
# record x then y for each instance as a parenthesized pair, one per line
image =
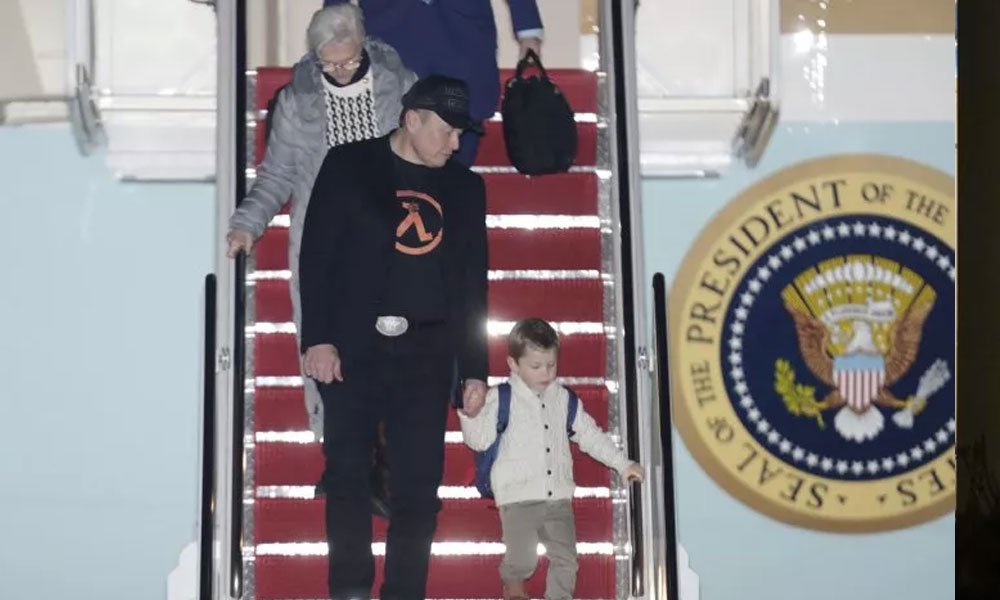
(340, 24)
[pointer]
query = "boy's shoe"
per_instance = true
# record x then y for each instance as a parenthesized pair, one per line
(514, 590)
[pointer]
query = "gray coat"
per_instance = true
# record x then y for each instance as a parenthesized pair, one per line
(297, 146)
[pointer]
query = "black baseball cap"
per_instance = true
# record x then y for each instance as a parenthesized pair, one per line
(446, 96)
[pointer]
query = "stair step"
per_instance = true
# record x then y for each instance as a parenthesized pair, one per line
(279, 463)
(281, 577)
(509, 300)
(554, 300)
(509, 249)
(559, 194)
(569, 249)
(580, 355)
(271, 250)
(283, 408)
(477, 520)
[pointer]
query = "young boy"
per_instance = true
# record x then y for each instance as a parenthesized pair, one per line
(532, 478)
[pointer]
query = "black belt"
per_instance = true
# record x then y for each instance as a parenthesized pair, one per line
(395, 326)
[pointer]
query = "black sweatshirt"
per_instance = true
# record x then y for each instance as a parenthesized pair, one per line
(350, 248)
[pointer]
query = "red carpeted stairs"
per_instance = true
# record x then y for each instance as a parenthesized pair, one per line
(289, 558)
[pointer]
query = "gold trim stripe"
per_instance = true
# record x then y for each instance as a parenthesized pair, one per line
(588, 17)
(869, 16)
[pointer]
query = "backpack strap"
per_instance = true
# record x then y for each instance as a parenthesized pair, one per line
(503, 410)
(571, 407)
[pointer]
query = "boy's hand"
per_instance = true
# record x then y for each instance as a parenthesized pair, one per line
(473, 397)
(633, 472)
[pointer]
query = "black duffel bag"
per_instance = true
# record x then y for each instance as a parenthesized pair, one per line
(538, 126)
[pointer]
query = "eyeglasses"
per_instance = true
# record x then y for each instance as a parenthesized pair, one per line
(348, 65)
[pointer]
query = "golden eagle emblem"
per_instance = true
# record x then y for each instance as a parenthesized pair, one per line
(859, 321)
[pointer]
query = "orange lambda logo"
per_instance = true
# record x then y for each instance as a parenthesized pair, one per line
(413, 236)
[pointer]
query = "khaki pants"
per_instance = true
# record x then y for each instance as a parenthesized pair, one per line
(525, 524)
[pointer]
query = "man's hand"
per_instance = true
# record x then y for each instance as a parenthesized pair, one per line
(239, 241)
(633, 472)
(473, 397)
(529, 43)
(322, 363)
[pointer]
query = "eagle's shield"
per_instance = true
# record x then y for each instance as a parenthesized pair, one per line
(859, 377)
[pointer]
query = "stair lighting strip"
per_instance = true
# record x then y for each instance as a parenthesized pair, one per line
(494, 328)
(445, 492)
(543, 274)
(250, 173)
(494, 275)
(437, 549)
(524, 221)
(603, 174)
(532, 222)
(308, 437)
(502, 328)
(295, 381)
(580, 117)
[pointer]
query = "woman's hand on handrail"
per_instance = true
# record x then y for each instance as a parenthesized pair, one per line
(239, 241)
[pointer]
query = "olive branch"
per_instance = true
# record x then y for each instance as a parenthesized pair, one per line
(800, 400)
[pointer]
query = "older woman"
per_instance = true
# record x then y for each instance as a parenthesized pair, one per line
(347, 88)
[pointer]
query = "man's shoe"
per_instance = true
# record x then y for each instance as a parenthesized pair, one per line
(379, 480)
(380, 507)
(355, 596)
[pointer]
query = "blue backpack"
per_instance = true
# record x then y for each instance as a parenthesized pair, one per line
(486, 458)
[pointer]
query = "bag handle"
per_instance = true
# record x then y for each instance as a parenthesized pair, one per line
(530, 57)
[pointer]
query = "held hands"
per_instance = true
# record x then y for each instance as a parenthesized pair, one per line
(238, 241)
(633, 472)
(473, 397)
(322, 363)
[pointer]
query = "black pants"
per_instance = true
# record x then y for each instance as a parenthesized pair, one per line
(406, 385)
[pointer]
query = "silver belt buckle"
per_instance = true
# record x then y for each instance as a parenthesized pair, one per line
(392, 326)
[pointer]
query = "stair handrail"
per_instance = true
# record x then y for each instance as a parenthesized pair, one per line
(617, 30)
(208, 470)
(240, 164)
(221, 557)
(645, 381)
(664, 437)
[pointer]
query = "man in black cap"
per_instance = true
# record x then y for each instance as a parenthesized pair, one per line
(393, 272)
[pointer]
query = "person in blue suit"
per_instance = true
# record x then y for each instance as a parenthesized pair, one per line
(457, 38)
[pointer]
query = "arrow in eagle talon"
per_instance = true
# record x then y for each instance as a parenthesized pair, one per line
(931, 381)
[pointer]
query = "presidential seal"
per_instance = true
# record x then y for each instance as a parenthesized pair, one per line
(813, 345)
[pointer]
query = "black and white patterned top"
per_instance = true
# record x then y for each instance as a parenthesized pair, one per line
(350, 112)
